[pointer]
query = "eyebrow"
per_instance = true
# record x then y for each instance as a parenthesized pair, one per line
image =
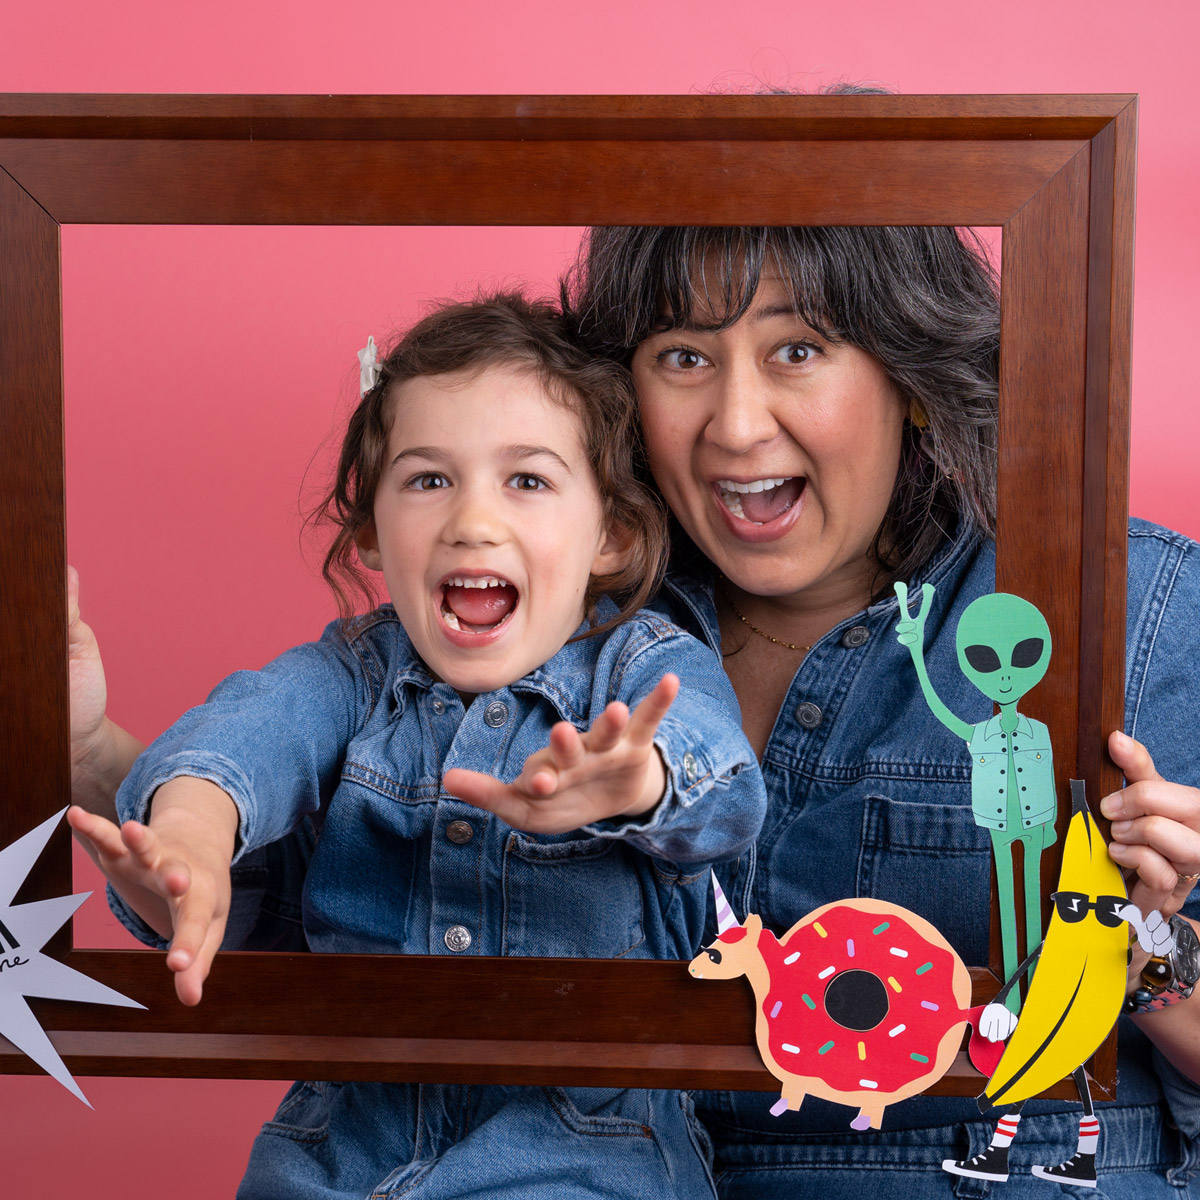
(757, 315)
(515, 453)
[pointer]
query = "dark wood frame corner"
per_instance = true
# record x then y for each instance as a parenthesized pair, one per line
(1056, 172)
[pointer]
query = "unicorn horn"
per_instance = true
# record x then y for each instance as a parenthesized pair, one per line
(725, 918)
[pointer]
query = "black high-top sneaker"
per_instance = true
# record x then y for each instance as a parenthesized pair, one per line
(991, 1164)
(1079, 1169)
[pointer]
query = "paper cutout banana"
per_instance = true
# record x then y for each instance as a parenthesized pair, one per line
(1078, 987)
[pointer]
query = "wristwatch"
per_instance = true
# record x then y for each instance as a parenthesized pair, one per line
(1171, 977)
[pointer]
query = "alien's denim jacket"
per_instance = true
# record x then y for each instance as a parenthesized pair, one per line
(1034, 777)
(353, 732)
(870, 795)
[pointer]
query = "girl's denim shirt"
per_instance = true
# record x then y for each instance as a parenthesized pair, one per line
(353, 733)
(870, 795)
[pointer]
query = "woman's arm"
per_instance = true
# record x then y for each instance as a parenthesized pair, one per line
(102, 753)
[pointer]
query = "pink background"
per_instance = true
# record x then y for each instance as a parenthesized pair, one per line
(205, 367)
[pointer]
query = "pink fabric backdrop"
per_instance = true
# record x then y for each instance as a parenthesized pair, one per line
(207, 368)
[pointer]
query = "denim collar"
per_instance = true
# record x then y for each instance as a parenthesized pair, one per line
(565, 681)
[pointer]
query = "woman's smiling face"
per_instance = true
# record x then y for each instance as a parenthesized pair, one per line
(776, 449)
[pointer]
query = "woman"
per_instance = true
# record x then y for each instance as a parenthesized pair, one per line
(819, 408)
(820, 414)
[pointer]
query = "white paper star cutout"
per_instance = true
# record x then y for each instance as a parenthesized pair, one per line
(26, 971)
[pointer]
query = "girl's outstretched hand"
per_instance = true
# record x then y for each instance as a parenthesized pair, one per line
(612, 770)
(174, 872)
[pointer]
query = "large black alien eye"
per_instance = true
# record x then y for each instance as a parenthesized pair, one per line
(1026, 653)
(982, 658)
(714, 954)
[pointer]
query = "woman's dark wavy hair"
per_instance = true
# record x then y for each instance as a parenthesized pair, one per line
(506, 330)
(921, 300)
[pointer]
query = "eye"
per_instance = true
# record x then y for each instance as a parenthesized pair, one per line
(1026, 653)
(982, 658)
(526, 482)
(794, 354)
(429, 481)
(713, 954)
(681, 358)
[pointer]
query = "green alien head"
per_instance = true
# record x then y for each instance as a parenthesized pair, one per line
(1003, 646)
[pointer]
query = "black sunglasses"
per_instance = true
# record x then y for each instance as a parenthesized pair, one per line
(1074, 906)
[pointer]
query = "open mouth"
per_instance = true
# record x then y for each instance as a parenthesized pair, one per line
(477, 604)
(760, 501)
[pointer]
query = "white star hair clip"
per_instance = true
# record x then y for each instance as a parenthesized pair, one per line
(368, 367)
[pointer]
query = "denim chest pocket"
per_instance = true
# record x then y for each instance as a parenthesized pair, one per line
(580, 897)
(933, 859)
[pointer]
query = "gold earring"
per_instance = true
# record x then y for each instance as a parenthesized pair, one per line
(917, 415)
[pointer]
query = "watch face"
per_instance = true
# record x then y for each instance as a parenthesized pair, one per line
(1186, 957)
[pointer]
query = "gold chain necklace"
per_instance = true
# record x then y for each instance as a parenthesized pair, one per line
(750, 624)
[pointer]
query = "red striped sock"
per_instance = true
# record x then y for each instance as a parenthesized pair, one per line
(1006, 1129)
(1089, 1135)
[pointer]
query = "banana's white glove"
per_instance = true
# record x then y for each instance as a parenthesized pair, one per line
(1153, 933)
(996, 1022)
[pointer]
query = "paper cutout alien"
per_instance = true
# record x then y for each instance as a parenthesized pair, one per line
(1004, 650)
(861, 1002)
(1073, 1000)
(26, 971)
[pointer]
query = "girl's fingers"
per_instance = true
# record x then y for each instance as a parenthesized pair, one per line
(607, 729)
(566, 747)
(473, 786)
(143, 843)
(646, 718)
(104, 835)
(190, 979)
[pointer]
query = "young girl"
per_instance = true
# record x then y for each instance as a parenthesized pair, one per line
(470, 758)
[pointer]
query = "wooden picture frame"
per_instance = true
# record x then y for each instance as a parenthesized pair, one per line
(1055, 172)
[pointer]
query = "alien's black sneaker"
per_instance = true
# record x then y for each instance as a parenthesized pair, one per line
(991, 1164)
(1079, 1169)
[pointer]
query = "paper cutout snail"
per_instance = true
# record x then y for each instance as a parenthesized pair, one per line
(1003, 646)
(861, 1002)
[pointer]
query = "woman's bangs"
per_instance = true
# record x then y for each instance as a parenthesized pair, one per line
(708, 278)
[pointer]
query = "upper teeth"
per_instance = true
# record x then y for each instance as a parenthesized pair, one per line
(755, 485)
(483, 581)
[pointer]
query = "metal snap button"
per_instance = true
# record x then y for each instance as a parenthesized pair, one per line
(495, 714)
(458, 938)
(460, 832)
(690, 769)
(808, 714)
(855, 636)
(439, 707)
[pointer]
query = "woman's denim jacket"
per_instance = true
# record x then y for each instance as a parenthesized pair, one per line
(354, 734)
(870, 795)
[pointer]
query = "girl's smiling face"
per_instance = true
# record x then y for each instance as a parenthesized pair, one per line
(776, 449)
(487, 524)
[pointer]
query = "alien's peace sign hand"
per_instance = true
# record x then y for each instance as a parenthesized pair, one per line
(910, 631)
